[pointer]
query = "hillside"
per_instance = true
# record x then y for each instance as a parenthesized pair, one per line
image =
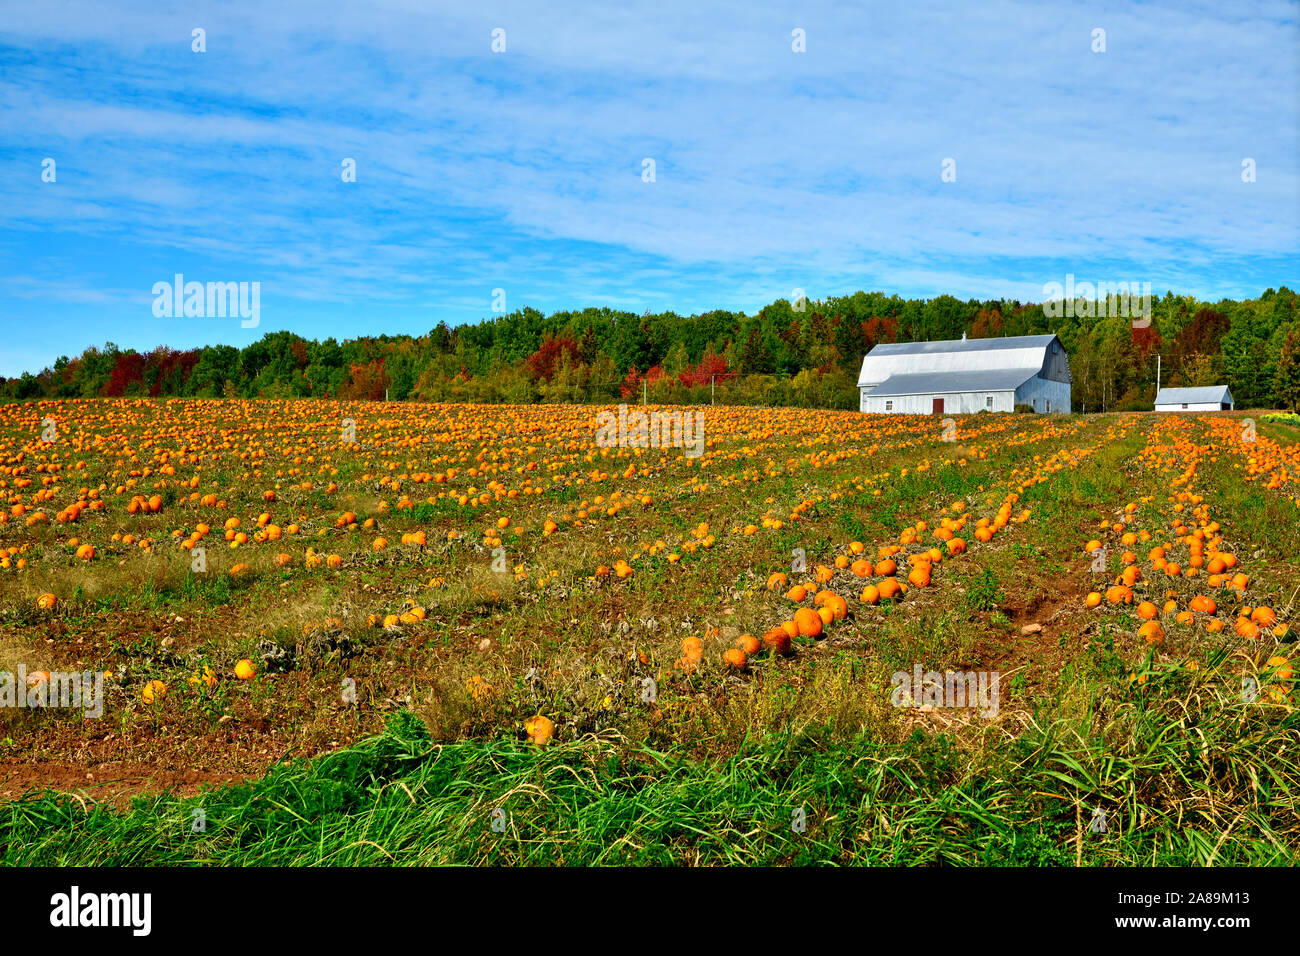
(779, 356)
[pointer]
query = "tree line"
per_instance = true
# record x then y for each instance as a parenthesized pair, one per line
(806, 353)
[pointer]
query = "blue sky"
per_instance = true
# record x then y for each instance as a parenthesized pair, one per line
(522, 170)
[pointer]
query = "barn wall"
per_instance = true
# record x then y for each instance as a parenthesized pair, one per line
(1056, 367)
(1038, 392)
(1191, 407)
(955, 403)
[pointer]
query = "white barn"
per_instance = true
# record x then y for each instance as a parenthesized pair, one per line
(962, 376)
(1209, 398)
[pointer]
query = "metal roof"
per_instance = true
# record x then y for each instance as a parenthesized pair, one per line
(1203, 395)
(937, 383)
(954, 356)
(962, 345)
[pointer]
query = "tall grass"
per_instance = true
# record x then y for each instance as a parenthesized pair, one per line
(1192, 780)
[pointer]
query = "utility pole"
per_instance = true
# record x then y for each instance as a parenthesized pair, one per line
(712, 379)
(643, 391)
(1157, 372)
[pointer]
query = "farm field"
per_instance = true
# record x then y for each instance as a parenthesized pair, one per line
(369, 633)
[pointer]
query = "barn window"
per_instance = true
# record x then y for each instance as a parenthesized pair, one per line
(889, 406)
(1048, 403)
(1184, 404)
(988, 402)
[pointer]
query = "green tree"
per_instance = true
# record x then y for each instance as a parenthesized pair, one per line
(1286, 379)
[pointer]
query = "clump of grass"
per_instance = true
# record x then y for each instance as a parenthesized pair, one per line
(984, 593)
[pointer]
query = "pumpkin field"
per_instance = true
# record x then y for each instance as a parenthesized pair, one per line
(392, 633)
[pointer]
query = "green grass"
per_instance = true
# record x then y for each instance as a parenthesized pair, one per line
(399, 799)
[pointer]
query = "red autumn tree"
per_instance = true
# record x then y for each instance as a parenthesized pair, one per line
(367, 382)
(554, 351)
(128, 370)
(711, 368)
(879, 329)
(631, 383)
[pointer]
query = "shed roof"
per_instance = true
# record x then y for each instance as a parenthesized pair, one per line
(938, 383)
(1204, 395)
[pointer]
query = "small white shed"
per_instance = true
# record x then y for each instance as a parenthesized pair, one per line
(1208, 398)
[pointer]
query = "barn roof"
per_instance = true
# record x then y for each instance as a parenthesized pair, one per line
(963, 345)
(937, 383)
(956, 356)
(1205, 395)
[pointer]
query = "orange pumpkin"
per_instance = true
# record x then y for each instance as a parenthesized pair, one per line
(777, 641)
(808, 621)
(1152, 633)
(1264, 616)
(540, 730)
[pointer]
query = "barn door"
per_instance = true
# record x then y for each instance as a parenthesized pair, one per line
(938, 406)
